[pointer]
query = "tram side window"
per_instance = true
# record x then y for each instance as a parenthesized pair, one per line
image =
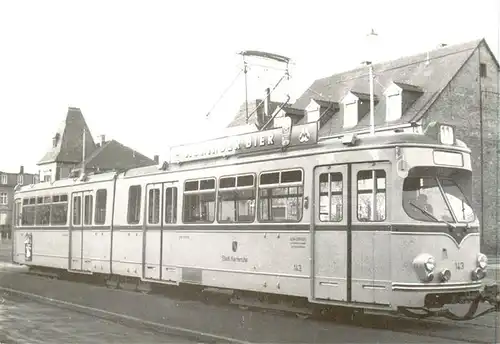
(280, 196)
(28, 214)
(154, 206)
(59, 210)
(236, 199)
(330, 197)
(199, 201)
(134, 204)
(87, 210)
(17, 213)
(100, 206)
(371, 195)
(77, 210)
(171, 205)
(42, 212)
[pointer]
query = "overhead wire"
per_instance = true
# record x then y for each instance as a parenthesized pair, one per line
(224, 93)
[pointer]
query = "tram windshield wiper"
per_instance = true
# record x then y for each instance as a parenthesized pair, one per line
(425, 212)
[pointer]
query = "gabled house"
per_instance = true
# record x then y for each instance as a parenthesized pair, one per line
(456, 84)
(66, 156)
(8, 182)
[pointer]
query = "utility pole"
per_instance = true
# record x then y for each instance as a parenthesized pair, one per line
(372, 35)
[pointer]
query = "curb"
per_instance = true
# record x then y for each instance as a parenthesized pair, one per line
(5, 266)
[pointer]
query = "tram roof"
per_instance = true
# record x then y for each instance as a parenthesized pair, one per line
(326, 144)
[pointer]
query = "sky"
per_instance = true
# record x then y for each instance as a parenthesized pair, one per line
(146, 73)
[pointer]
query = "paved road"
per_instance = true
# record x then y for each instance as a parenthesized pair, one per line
(5, 251)
(242, 325)
(25, 321)
(249, 326)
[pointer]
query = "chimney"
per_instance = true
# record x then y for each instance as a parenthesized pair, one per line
(103, 140)
(156, 158)
(21, 170)
(267, 104)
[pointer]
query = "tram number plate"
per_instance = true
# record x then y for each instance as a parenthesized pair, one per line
(297, 267)
(459, 265)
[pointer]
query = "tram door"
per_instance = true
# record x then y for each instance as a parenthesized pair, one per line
(331, 226)
(161, 212)
(371, 233)
(153, 232)
(81, 219)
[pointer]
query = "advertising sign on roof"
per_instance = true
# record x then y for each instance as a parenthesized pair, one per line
(276, 138)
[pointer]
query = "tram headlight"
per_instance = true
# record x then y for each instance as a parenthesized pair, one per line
(424, 265)
(482, 261)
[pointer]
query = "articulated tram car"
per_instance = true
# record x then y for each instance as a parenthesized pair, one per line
(381, 222)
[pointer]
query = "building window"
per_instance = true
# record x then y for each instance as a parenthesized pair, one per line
(371, 195)
(100, 206)
(59, 210)
(280, 196)
(46, 179)
(236, 199)
(3, 179)
(154, 206)
(171, 205)
(330, 197)
(134, 205)
(20, 179)
(482, 70)
(199, 201)
(3, 198)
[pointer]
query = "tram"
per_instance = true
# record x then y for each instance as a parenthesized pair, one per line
(381, 222)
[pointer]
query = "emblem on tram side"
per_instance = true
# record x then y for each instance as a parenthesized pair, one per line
(304, 136)
(286, 131)
(235, 246)
(28, 247)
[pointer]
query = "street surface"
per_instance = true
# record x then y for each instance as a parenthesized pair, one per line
(30, 321)
(25, 321)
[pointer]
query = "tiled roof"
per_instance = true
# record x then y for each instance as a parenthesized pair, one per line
(69, 147)
(241, 119)
(411, 73)
(113, 155)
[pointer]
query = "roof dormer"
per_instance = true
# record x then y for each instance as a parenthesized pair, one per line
(356, 105)
(313, 111)
(398, 98)
(320, 110)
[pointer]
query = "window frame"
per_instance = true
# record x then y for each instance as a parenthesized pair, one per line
(98, 210)
(137, 207)
(253, 187)
(300, 184)
(198, 192)
(375, 189)
(2, 202)
(329, 194)
(174, 204)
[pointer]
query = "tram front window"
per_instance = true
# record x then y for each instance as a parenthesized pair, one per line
(437, 198)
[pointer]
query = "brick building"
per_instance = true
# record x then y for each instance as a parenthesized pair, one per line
(7, 183)
(454, 84)
(65, 157)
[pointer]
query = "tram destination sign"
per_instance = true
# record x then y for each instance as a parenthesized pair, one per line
(286, 136)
